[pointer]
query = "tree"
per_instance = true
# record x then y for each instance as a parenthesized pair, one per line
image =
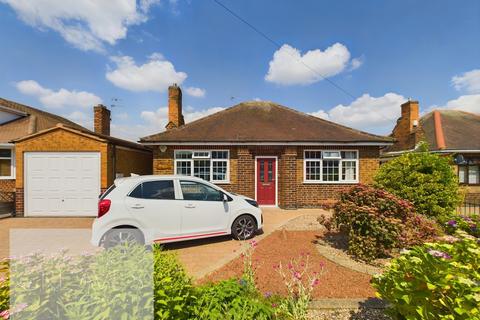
(425, 179)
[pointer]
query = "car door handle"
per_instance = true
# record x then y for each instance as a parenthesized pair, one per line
(137, 206)
(189, 206)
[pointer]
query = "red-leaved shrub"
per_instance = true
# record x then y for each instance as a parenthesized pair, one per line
(377, 222)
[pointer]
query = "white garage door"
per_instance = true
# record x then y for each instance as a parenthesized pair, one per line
(61, 183)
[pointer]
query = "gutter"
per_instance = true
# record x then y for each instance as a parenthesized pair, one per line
(267, 143)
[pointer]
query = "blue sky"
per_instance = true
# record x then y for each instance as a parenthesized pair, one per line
(65, 55)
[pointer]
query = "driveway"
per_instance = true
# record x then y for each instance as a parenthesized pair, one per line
(199, 257)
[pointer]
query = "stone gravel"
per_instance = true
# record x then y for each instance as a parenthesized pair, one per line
(348, 314)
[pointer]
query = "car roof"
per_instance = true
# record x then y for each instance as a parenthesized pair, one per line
(156, 177)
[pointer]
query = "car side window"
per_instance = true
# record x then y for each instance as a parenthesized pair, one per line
(196, 191)
(159, 190)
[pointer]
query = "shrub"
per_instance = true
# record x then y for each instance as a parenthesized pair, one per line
(377, 222)
(173, 290)
(427, 180)
(470, 224)
(231, 299)
(434, 281)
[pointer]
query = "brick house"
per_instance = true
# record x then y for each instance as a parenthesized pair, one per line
(451, 133)
(274, 154)
(56, 167)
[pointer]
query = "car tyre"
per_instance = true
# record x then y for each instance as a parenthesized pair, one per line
(116, 237)
(244, 227)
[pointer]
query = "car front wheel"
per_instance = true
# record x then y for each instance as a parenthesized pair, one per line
(244, 227)
(120, 237)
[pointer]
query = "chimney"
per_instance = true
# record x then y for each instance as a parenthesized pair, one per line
(101, 119)
(175, 116)
(410, 115)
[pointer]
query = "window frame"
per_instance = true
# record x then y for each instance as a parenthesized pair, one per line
(12, 163)
(340, 166)
(210, 158)
(467, 169)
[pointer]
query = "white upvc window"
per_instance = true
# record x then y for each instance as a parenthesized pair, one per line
(213, 165)
(330, 166)
(7, 163)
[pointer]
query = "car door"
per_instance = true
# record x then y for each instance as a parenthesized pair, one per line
(204, 212)
(154, 204)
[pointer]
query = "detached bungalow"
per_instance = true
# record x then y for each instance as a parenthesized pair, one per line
(274, 154)
(54, 167)
(448, 132)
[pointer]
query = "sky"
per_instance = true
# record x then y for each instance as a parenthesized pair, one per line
(351, 62)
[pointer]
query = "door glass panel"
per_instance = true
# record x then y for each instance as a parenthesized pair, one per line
(195, 191)
(159, 190)
(270, 170)
(262, 171)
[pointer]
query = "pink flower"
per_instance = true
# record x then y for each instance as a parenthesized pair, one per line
(290, 266)
(5, 314)
(297, 275)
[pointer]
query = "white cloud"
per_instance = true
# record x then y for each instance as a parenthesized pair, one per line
(159, 118)
(60, 98)
(356, 63)
(468, 81)
(86, 24)
(469, 103)
(155, 75)
(290, 67)
(367, 113)
(195, 92)
(82, 118)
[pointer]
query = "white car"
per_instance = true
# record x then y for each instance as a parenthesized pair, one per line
(149, 209)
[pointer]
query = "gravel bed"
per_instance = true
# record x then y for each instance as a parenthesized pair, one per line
(304, 222)
(348, 314)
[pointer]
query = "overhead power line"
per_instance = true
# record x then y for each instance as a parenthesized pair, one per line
(278, 46)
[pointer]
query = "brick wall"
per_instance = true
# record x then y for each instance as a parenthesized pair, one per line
(292, 191)
(129, 161)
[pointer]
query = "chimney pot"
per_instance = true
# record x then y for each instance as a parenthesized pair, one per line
(101, 120)
(175, 115)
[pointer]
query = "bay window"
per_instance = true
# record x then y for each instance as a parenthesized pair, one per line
(208, 165)
(7, 163)
(330, 166)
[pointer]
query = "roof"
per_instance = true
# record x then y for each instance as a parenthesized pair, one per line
(20, 127)
(262, 121)
(460, 130)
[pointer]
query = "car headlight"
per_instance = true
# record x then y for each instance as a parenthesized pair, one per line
(252, 202)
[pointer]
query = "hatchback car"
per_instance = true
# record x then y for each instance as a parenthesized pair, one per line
(149, 209)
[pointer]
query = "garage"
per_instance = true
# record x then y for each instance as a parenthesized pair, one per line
(62, 183)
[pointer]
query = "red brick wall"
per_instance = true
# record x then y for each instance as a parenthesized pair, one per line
(292, 191)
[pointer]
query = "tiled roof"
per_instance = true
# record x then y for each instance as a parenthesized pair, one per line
(261, 121)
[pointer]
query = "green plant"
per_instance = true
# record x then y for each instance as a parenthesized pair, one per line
(434, 281)
(377, 222)
(468, 223)
(300, 282)
(425, 179)
(4, 286)
(231, 299)
(173, 289)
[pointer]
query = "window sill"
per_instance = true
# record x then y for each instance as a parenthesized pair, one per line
(220, 182)
(330, 182)
(7, 178)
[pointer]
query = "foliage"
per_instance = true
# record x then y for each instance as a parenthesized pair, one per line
(377, 222)
(425, 179)
(4, 285)
(468, 223)
(173, 289)
(434, 281)
(300, 282)
(231, 299)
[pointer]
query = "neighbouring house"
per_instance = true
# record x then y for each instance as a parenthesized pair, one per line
(55, 167)
(448, 132)
(274, 154)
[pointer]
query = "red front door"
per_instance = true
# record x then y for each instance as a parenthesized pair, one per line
(266, 181)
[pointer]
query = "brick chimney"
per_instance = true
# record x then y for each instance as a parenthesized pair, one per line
(405, 131)
(101, 119)
(175, 116)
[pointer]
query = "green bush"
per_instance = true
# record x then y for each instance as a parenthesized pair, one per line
(427, 180)
(377, 222)
(468, 223)
(434, 281)
(231, 299)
